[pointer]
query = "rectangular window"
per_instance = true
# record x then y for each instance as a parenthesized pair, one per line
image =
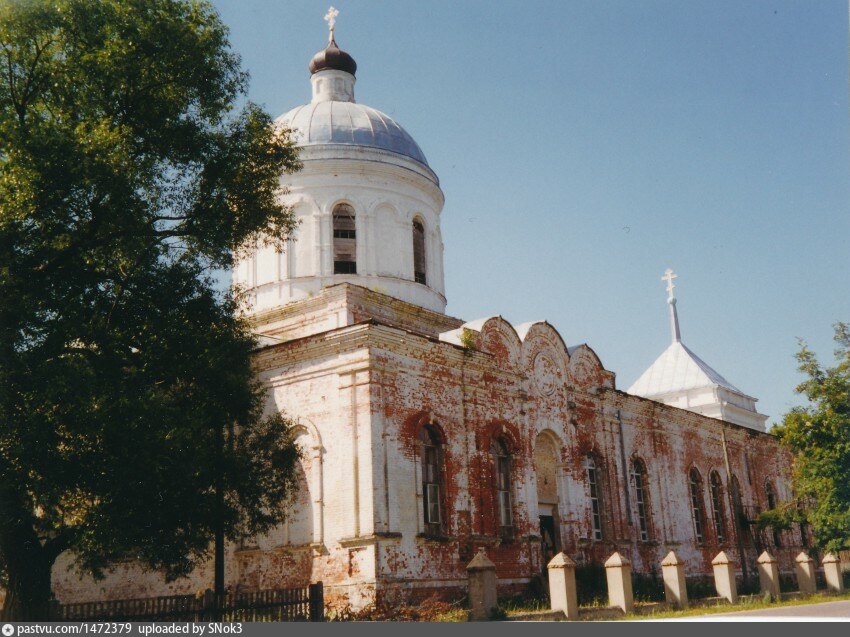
(345, 267)
(504, 482)
(432, 503)
(504, 509)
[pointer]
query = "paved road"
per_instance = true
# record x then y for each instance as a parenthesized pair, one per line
(827, 609)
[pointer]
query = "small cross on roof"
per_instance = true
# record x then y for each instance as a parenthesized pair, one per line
(330, 18)
(669, 275)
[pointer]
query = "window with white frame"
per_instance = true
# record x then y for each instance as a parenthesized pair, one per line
(502, 467)
(718, 511)
(595, 495)
(640, 486)
(697, 504)
(432, 480)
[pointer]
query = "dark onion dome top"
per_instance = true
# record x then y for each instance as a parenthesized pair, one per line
(334, 58)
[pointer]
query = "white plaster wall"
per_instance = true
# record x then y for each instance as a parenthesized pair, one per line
(387, 192)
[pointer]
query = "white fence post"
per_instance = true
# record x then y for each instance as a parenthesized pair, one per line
(562, 585)
(724, 577)
(618, 572)
(832, 573)
(805, 567)
(675, 589)
(769, 575)
(481, 573)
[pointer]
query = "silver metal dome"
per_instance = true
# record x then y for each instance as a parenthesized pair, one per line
(337, 122)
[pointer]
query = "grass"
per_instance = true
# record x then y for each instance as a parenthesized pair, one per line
(522, 606)
(753, 604)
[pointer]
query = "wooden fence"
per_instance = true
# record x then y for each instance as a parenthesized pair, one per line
(280, 605)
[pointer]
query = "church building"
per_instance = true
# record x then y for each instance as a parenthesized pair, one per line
(427, 437)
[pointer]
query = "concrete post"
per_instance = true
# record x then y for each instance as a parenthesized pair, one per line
(769, 575)
(832, 573)
(618, 572)
(481, 573)
(805, 567)
(724, 577)
(673, 572)
(562, 585)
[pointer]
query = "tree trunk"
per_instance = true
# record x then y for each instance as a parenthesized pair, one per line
(28, 564)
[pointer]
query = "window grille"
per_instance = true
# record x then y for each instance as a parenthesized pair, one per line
(641, 498)
(697, 505)
(595, 496)
(419, 252)
(344, 240)
(771, 504)
(432, 480)
(717, 509)
(502, 460)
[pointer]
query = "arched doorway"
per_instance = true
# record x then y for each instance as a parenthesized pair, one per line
(546, 462)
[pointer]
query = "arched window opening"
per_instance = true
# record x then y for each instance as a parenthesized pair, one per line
(432, 480)
(737, 503)
(502, 466)
(697, 504)
(419, 252)
(345, 240)
(595, 494)
(641, 491)
(771, 504)
(718, 511)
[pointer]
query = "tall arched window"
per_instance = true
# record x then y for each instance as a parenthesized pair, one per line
(432, 480)
(718, 511)
(771, 504)
(595, 494)
(737, 503)
(419, 252)
(502, 468)
(697, 504)
(641, 491)
(345, 240)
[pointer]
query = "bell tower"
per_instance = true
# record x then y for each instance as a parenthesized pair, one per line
(367, 203)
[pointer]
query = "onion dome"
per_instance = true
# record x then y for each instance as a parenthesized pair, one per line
(332, 58)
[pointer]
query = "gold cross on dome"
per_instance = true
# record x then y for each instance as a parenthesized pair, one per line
(330, 18)
(669, 275)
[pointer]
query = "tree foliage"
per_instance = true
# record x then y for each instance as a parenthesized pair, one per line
(127, 173)
(819, 437)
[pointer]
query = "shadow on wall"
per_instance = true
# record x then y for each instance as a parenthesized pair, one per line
(283, 558)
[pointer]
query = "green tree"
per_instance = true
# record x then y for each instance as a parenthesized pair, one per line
(130, 421)
(819, 437)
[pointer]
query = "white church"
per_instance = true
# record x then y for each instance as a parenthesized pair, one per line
(427, 437)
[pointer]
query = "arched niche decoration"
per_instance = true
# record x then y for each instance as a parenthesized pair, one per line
(309, 440)
(384, 222)
(544, 357)
(547, 466)
(586, 371)
(498, 338)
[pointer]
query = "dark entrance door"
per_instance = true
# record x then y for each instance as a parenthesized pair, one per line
(548, 541)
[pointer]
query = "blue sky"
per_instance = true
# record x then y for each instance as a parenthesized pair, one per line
(584, 147)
